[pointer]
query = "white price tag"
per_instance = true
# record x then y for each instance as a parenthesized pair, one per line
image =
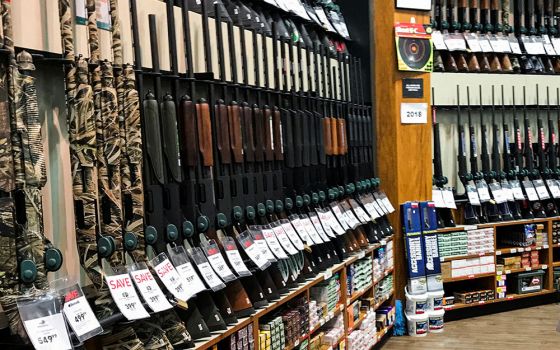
(414, 113)
(263, 247)
(302, 232)
(81, 12)
(548, 46)
(449, 199)
(533, 46)
(437, 39)
(173, 282)
(150, 291)
(553, 187)
(256, 255)
(361, 214)
(125, 296)
(472, 41)
(437, 197)
(454, 42)
(517, 191)
(236, 261)
(556, 44)
(336, 226)
(387, 204)
(483, 194)
(371, 210)
(79, 315)
(273, 243)
(209, 275)
(48, 333)
(530, 190)
(338, 214)
(542, 192)
(308, 225)
(292, 235)
(191, 281)
(514, 44)
(473, 197)
(485, 44)
(325, 220)
(284, 240)
(318, 227)
(219, 265)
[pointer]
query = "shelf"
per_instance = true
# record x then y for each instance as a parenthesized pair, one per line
(515, 250)
(296, 343)
(337, 310)
(357, 324)
(382, 332)
(206, 343)
(515, 222)
(556, 264)
(357, 295)
(522, 269)
(385, 274)
(557, 245)
(384, 299)
(459, 257)
(456, 228)
(507, 298)
(469, 277)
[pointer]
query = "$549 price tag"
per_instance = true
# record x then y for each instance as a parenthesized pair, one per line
(48, 332)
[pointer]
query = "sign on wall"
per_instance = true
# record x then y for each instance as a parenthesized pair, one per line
(414, 4)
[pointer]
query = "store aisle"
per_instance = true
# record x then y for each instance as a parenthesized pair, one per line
(532, 328)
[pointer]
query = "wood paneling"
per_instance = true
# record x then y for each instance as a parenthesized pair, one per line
(404, 159)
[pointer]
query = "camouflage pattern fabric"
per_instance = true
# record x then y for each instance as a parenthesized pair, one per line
(505, 13)
(94, 51)
(121, 338)
(7, 183)
(116, 34)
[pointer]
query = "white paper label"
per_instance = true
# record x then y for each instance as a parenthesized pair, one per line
(472, 41)
(335, 225)
(530, 190)
(455, 43)
(265, 251)
(273, 243)
(103, 14)
(542, 192)
(388, 205)
(48, 333)
(256, 255)
(189, 275)
(302, 232)
(292, 235)
(125, 296)
(325, 220)
(318, 227)
(338, 214)
(414, 113)
(308, 225)
(81, 12)
(414, 4)
(556, 44)
(351, 218)
(219, 265)
(553, 187)
(437, 39)
(236, 261)
(150, 291)
(473, 197)
(515, 47)
(517, 191)
(437, 198)
(209, 275)
(449, 199)
(483, 194)
(80, 316)
(361, 214)
(173, 281)
(485, 44)
(284, 240)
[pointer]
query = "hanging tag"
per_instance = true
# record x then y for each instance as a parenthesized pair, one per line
(252, 250)
(234, 257)
(148, 287)
(216, 260)
(103, 14)
(472, 41)
(437, 197)
(437, 39)
(258, 237)
(301, 231)
(530, 191)
(125, 296)
(542, 192)
(517, 190)
(81, 12)
(555, 190)
(190, 279)
(273, 243)
(455, 42)
(368, 201)
(482, 189)
(485, 45)
(206, 271)
(381, 203)
(76, 309)
(340, 216)
(497, 192)
(351, 219)
(43, 322)
(472, 194)
(359, 212)
(514, 44)
(292, 234)
(308, 226)
(283, 238)
(325, 220)
(318, 227)
(506, 189)
(448, 198)
(333, 221)
(170, 277)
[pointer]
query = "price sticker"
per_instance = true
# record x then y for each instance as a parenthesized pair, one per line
(483, 193)
(472, 42)
(325, 220)
(209, 275)
(553, 187)
(485, 44)
(542, 192)
(530, 191)
(308, 226)
(218, 263)
(514, 44)
(506, 188)
(454, 42)
(335, 224)
(318, 227)
(79, 314)
(292, 234)
(48, 333)
(261, 244)
(174, 283)
(341, 218)
(283, 239)
(234, 257)
(255, 253)
(472, 194)
(125, 296)
(497, 193)
(387, 203)
(150, 291)
(414, 113)
(273, 243)
(516, 189)
(449, 199)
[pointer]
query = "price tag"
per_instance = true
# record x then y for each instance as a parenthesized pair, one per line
(216, 260)
(79, 314)
(308, 225)
(234, 257)
(556, 44)
(454, 42)
(381, 204)
(472, 42)
(516, 189)
(333, 222)
(533, 45)
(325, 220)
(327, 274)
(414, 113)
(530, 191)
(150, 291)
(495, 43)
(292, 234)
(283, 238)
(125, 296)
(542, 192)
(548, 46)
(449, 199)
(174, 283)
(193, 282)
(361, 214)
(514, 44)
(103, 14)
(209, 275)
(318, 227)
(302, 232)
(553, 187)
(387, 203)
(483, 192)
(254, 252)
(472, 194)
(258, 237)
(273, 243)
(437, 197)
(437, 39)
(485, 44)
(338, 214)
(48, 333)
(497, 193)
(506, 189)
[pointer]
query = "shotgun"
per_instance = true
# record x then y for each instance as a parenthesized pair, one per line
(496, 21)
(544, 171)
(542, 29)
(477, 27)
(488, 28)
(455, 26)
(508, 29)
(448, 60)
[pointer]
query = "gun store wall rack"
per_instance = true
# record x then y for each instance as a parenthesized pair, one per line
(548, 258)
(303, 290)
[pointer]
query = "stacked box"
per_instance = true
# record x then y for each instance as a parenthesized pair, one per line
(359, 275)
(453, 244)
(519, 236)
(243, 339)
(474, 266)
(541, 236)
(366, 335)
(383, 288)
(530, 259)
(501, 287)
(510, 262)
(473, 297)
(556, 232)
(274, 333)
(389, 255)
(480, 241)
(327, 292)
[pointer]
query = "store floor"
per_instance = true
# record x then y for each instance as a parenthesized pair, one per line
(531, 328)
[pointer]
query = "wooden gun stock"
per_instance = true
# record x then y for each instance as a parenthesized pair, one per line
(277, 123)
(341, 136)
(204, 133)
(334, 136)
(268, 133)
(258, 133)
(327, 138)
(248, 146)
(223, 142)
(188, 121)
(236, 141)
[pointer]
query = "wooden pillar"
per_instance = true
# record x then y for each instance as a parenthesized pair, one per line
(404, 152)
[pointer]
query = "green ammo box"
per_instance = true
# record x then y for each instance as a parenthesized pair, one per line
(526, 282)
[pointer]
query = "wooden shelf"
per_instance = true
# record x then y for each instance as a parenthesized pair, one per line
(459, 257)
(296, 343)
(507, 298)
(385, 274)
(515, 250)
(206, 343)
(522, 269)
(469, 277)
(329, 317)
(456, 228)
(384, 299)
(356, 325)
(515, 222)
(556, 264)
(382, 332)
(357, 295)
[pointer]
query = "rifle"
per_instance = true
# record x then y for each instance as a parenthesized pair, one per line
(530, 21)
(489, 208)
(531, 172)
(508, 29)
(496, 20)
(552, 177)
(459, 56)
(477, 27)
(466, 177)
(509, 169)
(551, 27)
(487, 27)
(465, 25)
(435, 16)
(445, 216)
(542, 29)
(450, 65)
(544, 170)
